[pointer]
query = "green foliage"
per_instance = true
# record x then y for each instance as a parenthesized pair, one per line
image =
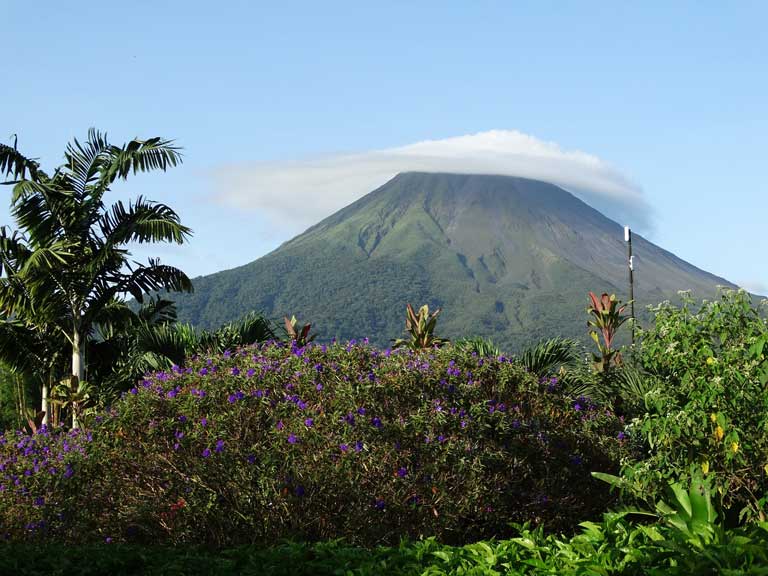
(478, 345)
(548, 356)
(421, 327)
(152, 341)
(615, 546)
(606, 319)
(275, 442)
(707, 410)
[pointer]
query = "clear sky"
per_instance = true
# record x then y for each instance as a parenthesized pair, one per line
(672, 97)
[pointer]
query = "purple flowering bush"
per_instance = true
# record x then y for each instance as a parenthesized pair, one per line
(347, 441)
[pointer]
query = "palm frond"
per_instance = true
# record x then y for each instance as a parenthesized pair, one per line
(85, 161)
(139, 156)
(13, 163)
(137, 282)
(250, 329)
(158, 310)
(478, 345)
(547, 356)
(141, 222)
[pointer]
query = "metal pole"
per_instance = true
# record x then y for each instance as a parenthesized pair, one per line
(631, 266)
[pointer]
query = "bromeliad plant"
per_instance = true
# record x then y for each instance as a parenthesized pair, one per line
(421, 327)
(606, 319)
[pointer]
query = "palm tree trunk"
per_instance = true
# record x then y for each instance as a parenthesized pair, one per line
(44, 404)
(78, 372)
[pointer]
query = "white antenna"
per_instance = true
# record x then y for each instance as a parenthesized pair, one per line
(631, 266)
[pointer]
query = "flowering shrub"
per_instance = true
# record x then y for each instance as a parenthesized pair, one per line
(318, 442)
(710, 415)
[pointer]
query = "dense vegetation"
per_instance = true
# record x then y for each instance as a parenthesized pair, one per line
(313, 443)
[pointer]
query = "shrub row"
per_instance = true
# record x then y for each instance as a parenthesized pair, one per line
(314, 443)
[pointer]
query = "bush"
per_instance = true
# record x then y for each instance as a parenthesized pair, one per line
(711, 413)
(312, 443)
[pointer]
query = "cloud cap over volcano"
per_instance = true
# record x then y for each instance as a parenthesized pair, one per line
(299, 193)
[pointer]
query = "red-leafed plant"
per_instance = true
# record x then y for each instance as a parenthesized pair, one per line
(606, 319)
(300, 337)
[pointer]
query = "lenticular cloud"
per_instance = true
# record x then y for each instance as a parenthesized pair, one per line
(299, 193)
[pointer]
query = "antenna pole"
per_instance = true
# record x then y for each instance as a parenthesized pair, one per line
(631, 267)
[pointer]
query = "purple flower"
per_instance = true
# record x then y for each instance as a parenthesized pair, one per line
(402, 472)
(134, 391)
(231, 398)
(379, 504)
(206, 453)
(309, 422)
(577, 407)
(319, 387)
(361, 411)
(292, 438)
(343, 447)
(358, 446)
(235, 371)
(183, 419)
(251, 459)
(108, 540)
(219, 446)
(279, 425)
(250, 372)
(203, 422)
(376, 421)
(621, 436)
(39, 501)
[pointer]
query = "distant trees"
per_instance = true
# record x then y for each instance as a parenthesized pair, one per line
(65, 268)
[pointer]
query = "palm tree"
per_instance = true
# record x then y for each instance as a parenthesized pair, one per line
(69, 266)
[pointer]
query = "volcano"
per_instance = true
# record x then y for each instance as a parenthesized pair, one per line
(504, 257)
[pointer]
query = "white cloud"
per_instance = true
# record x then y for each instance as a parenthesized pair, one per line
(293, 195)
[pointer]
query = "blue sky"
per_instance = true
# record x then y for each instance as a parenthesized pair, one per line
(672, 98)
